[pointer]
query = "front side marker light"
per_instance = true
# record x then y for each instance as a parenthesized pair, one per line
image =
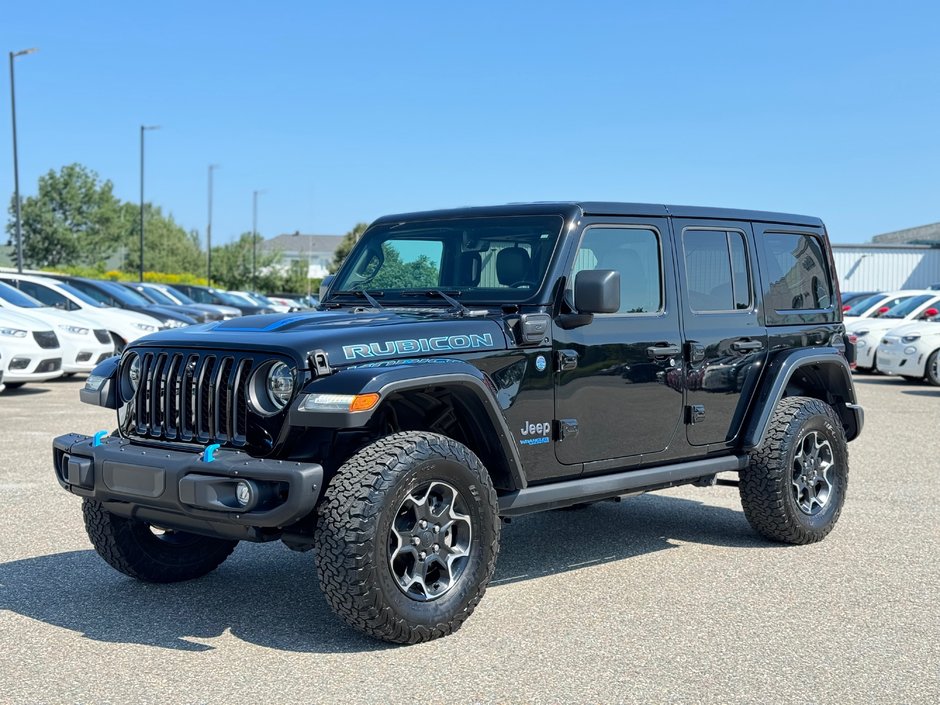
(339, 402)
(95, 382)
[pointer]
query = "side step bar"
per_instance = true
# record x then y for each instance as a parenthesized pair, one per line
(590, 489)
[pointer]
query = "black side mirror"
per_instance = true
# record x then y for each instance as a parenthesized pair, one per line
(597, 291)
(325, 285)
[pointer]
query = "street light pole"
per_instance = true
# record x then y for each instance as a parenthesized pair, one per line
(16, 164)
(254, 238)
(143, 128)
(212, 167)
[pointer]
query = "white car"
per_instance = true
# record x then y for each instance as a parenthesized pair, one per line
(83, 345)
(123, 325)
(29, 349)
(913, 350)
(872, 306)
(870, 331)
(250, 300)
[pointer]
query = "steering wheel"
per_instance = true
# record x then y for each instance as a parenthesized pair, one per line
(522, 282)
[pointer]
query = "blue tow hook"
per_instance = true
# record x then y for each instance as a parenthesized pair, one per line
(208, 455)
(96, 441)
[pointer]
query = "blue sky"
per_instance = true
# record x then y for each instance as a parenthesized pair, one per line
(344, 111)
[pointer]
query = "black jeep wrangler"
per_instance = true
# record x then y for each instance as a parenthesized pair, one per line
(470, 365)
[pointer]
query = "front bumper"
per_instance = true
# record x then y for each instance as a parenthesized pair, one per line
(180, 490)
(894, 361)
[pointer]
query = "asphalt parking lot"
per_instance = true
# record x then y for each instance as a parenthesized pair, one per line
(669, 597)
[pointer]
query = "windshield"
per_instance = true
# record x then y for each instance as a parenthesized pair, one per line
(126, 296)
(158, 296)
(494, 260)
(903, 310)
(14, 296)
(81, 296)
(231, 300)
(180, 297)
(862, 305)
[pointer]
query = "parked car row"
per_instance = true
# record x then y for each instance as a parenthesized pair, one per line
(897, 332)
(56, 324)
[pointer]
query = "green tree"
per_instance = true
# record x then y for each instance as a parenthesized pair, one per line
(346, 244)
(167, 246)
(393, 273)
(73, 219)
(231, 265)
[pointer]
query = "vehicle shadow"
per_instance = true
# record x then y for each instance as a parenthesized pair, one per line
(269, 597)
(28, 390)
(922, 392)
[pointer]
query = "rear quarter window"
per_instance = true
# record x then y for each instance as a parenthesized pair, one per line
(797, 281)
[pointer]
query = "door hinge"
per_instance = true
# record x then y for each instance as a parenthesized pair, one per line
(695, 413)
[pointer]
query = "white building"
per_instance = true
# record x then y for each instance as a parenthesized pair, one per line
(886, 267)
(315, 250)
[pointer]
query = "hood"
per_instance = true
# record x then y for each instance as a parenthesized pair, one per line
(56, 317)
(127, 317)
(347, 337)
(922, 328)
(14, 319)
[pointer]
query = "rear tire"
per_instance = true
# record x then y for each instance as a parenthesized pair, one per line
(407, 537)
(794, 487)
(146, 553)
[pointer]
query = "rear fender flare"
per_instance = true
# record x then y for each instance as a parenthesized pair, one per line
(825, 366)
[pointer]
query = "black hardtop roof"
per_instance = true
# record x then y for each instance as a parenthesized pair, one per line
(605, 208)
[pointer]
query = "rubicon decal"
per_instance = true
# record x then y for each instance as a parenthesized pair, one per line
(444, 343)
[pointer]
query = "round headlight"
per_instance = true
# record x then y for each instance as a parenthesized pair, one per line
(280, 384)
(130, 376)
(271, 387)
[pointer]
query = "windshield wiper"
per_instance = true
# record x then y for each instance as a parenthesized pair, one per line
(456, 306)
(364, 294)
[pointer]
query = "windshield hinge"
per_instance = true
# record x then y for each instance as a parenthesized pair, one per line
(319, 363)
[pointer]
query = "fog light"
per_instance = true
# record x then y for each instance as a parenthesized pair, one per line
(19, 363)
(243, 493)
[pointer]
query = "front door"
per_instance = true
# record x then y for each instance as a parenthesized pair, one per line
(618, 380)
(726, 342)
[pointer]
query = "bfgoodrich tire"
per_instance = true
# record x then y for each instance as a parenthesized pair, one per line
(407, 537)
(794, 487)
(147, 553)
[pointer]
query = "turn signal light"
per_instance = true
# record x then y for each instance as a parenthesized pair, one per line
(364, 402)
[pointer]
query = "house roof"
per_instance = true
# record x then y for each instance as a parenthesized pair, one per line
(922, 234)
(299, 242)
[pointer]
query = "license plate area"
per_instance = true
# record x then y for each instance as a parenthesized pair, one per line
(135, 480)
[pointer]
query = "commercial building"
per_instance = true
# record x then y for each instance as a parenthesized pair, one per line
(315, 250)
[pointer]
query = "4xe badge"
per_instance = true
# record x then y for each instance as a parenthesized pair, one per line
(540, 430)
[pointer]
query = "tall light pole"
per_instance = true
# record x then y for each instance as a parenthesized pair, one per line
(254, 237)
(143, 128)
(212, 167)
(16, 164)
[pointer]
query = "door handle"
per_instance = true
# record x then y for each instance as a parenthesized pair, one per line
(744, 345)
(655, 351)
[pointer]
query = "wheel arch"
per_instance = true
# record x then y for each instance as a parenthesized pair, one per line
(820, 373)
(455, 383)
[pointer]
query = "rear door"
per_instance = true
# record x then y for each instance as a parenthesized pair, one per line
(618, 385)
(726, 342)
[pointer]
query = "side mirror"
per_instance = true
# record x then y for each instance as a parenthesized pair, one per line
(930, 313)
(597, 291)
(325, 285)
(845, 308)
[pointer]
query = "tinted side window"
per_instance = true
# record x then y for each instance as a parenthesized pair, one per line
(716, 270)
(797, 272)
(635, 253)
(47, 296)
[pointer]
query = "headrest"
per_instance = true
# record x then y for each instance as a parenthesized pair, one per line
(512, 265)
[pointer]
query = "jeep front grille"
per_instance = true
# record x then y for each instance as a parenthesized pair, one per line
(193, 397)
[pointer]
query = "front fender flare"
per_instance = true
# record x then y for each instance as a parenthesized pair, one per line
(388, 378)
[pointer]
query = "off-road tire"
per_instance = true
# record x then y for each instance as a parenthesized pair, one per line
(932, 370)
(352, 536)
(132, 547)
(767, 493)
